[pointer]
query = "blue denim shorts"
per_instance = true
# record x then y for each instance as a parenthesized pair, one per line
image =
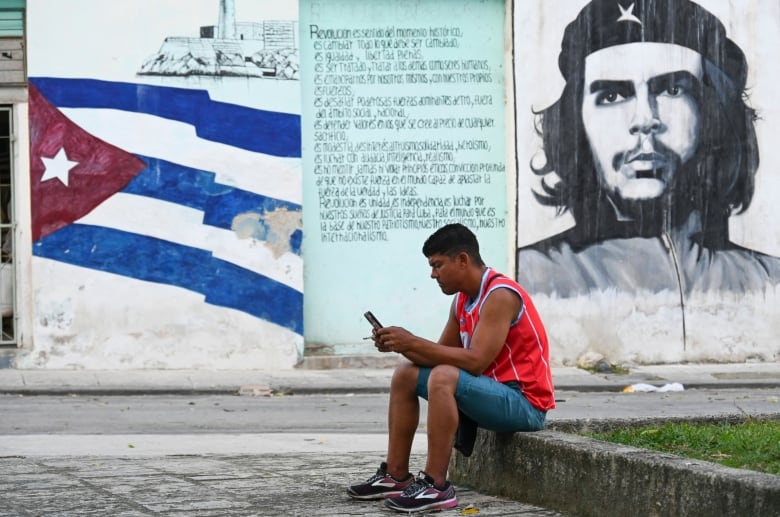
(491, 404)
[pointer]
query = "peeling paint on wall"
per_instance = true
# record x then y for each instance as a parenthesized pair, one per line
(274, 229)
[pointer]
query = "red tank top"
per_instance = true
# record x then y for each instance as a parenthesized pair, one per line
(525, 357)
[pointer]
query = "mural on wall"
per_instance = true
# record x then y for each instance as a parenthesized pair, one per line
(75, 172)
(649, 150)
(403, 132)
(230, 48)
(162, 176)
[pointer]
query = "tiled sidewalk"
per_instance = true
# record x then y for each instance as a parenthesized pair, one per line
(218, 485)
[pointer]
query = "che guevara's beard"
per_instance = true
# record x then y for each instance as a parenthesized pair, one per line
(652, 214)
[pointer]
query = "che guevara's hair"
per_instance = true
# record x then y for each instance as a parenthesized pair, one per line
(721, 179)
(452, 239)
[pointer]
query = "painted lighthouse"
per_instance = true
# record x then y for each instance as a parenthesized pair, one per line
(263, 49)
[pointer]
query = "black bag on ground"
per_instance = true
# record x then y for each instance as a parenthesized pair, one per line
(466, 434)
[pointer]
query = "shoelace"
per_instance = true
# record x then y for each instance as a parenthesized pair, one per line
(376, 477)
(420, 484)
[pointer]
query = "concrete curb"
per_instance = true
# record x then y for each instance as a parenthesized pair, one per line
(364, 376)
(284, 389)
(547, 468)
(276, 389)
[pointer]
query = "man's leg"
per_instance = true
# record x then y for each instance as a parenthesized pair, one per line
(495, 406)
(442, 420)
(403, 416)
(432, 491)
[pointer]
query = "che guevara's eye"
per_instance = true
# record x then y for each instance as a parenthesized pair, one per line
(677, 90)
(674, 85)
(607, 98)
(610, 96)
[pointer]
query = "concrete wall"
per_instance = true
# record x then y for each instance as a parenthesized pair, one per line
(168, 172)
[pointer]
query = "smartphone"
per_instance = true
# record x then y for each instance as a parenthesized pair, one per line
(372, 320)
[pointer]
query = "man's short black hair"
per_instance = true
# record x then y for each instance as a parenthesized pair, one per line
(452, 239)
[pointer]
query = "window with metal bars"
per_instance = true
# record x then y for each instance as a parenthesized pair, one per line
(12, 74)
(7, 224)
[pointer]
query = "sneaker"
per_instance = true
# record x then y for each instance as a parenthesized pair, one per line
(380, 485)
(423, 495)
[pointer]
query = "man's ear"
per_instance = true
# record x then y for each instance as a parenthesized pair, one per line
(463, 259)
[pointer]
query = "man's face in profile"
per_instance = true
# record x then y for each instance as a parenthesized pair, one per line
(641, 115)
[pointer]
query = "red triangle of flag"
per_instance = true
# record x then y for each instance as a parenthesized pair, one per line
(100, 169)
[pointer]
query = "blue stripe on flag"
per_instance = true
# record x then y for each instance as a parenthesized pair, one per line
(197, 189)
(269, 132)
(156, 260)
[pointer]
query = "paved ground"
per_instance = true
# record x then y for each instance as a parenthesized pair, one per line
(300, 484)
(285, 474)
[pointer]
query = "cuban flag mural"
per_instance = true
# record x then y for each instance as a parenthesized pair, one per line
(166, 199)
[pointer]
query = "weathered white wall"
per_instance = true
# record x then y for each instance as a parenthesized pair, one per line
(83, 320)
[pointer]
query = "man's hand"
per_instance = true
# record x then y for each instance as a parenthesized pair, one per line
(393, 339)
(378, 343)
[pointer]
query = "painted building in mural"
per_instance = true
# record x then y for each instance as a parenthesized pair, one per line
(173, 178)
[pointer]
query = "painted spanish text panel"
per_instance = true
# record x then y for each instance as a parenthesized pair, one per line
(403, 132)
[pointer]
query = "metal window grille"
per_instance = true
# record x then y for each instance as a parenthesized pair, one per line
(8, 312)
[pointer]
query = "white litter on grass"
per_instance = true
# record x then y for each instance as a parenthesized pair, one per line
(641, 387)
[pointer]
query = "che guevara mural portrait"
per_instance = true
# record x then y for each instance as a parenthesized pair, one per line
(648, 161)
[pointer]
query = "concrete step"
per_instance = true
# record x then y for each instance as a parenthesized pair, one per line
(332, 362)
(582, 476)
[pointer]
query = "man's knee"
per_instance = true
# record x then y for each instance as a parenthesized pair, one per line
(443, 377)
(405, 377)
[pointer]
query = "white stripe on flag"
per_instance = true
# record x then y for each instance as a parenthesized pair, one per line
(177, 142)
(184, 225)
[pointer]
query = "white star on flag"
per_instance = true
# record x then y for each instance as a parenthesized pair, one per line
(57, 167)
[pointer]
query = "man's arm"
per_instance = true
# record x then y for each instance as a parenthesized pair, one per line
(499, 310)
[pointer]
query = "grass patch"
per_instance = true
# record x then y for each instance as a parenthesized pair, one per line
(752, 445)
